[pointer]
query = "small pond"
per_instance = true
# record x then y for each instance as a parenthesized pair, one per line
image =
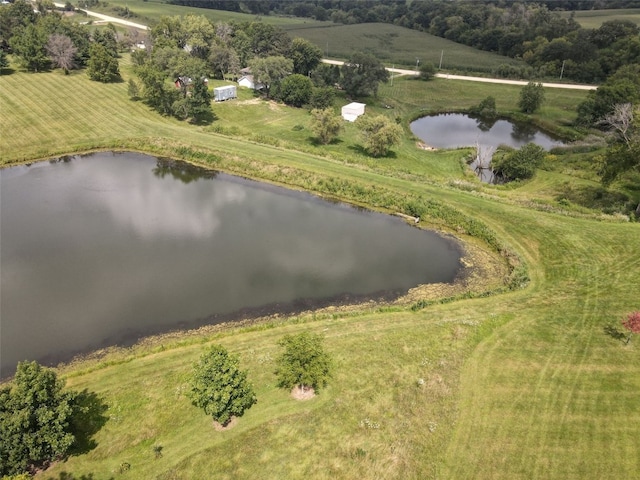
(104, 249)
(455, 130)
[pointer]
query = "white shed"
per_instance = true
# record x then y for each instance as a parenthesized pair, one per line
(352, 111)
(247, 81)
(224, 93)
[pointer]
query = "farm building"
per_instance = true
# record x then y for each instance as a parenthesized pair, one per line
(224, 93)
(248, 81)
(352, 111)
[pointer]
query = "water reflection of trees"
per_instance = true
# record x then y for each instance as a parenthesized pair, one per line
(185, 172)
(485, 124)
(523, 132)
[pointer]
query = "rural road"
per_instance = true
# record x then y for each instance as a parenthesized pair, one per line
(107, 18)
(399, 71)
(447, 76)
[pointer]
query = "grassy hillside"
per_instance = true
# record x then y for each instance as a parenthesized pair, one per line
(595, 18)
(526, 384)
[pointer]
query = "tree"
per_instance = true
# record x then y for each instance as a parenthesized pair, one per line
(28, 44)
(305, 56)
(304, 363)
(35, 420)
(632, 324)
(361, 75)
(623, 154)
(219, 387)
(531, 97)
(322, 97)
(270, 70)
(427, 71)
(325, 124)
(379, 134)
(155, 92)
(295, 90)
(519, 164)
(196, 105)
(224, 59)
(102, 66)
(4, 62)
(61, 51)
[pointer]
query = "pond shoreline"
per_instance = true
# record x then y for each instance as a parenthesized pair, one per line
(261, 316)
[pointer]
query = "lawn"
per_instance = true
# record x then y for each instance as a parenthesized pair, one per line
(524, 384)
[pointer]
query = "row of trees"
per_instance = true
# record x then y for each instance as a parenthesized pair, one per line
(290, 70)
(551, 43)
(44, 40)
(222, 390)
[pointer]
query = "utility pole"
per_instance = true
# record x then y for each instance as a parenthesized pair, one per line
(392, 69)
(562, 70)
(441, 55)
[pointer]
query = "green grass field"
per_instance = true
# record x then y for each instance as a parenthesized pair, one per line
(595, 18)
(525, 384)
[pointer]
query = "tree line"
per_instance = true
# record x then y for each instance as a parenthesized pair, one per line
(551, 44)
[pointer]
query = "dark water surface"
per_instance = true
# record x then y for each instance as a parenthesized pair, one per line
(105, 249)
(454, 130)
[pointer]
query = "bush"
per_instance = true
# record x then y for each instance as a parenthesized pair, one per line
(520, 164)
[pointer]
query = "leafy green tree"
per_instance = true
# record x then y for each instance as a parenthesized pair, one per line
(486, 108)
(199, 35)
(155, 91)
(295, 90)
(102, 65)
(28, 44)
(427, 71)
(379, 134)
(305, 56)
(322, 97)
(196, 105)
(304, 363)
(325, 124)
(35, 416)
(219, 387)
(519, 164)
(224, 59)
(133, 90)
(4, 62)
(270, 71)
(325, 75)
(362, 74)
(531, 97)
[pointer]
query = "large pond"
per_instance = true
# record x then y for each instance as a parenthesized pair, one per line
(105, 249)
(454, 130)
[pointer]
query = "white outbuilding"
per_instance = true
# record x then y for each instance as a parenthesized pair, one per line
(352, 111)
(224, 93)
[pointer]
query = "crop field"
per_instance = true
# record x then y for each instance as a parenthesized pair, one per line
(595, 18)
(399, 45)
(529, 383)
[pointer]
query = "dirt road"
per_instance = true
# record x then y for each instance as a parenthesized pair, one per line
(447, 76)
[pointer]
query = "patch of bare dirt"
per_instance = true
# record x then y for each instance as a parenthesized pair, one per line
(219, 427)
(304, 393)
(424, 146)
